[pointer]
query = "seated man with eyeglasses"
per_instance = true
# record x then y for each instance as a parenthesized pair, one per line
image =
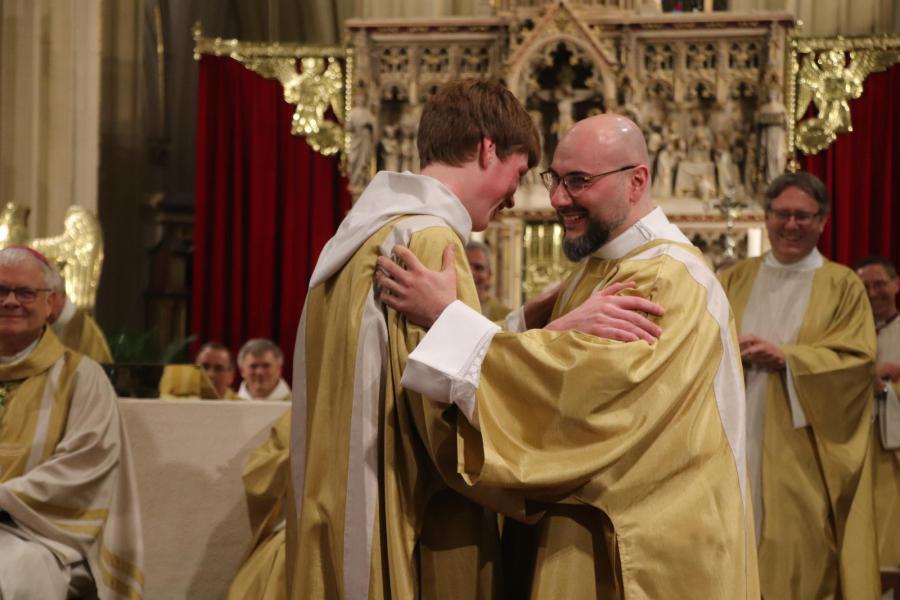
(808, 347)
(215, 359)
(69, 523)
(633, 451)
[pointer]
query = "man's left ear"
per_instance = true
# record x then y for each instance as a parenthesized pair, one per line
(640, 180)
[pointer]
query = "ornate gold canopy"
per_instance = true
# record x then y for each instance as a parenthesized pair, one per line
(320, 84)
(706, 88)
(827, 73)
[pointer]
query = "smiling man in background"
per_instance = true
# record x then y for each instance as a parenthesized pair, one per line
(261, 361)
(808, 347)
(479, 256)
(879, 275)
(215, 359)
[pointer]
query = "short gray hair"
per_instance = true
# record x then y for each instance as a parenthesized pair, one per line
(258, 347)
(21, 256)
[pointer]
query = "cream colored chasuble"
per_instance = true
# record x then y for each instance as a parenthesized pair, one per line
(781, 290)
(380, 511)
(817, 536)
(66, 477)
(887, 452)
(634, 451)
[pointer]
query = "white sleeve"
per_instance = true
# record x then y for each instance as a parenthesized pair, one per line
(797, 414)
(446, 365)
(889, 419)
(515, 321)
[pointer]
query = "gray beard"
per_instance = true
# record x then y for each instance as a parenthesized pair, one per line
(589, 242)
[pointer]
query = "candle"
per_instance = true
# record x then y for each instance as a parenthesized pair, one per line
(754, 241)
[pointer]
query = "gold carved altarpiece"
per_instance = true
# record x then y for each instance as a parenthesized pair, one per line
(722, 98)
(706, 88)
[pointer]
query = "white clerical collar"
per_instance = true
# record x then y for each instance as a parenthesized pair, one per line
(810, 262)
(879, 325)
(65, 316)
(653, 226)
(8, 360)
(280, 392)
(389, 195)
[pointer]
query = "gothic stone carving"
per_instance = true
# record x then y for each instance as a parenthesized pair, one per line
(705, 88)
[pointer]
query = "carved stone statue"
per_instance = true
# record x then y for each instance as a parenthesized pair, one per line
(390, 149)
(726, 174)
(565, 97)
(360, 126)
(665, 170)
(706, 188)
(771, 120)
(701, 141)
(533, 176)
(695, 175)
(409, 152)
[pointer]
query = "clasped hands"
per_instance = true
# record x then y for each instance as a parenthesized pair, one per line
(761, 353)
(421, 295)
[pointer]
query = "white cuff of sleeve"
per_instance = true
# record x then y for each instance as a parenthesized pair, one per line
(515, 321)
(889, 419)
(797, 414)
(446, 365)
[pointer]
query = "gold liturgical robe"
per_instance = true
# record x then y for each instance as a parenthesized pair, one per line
(887, 452)
(65, 470)
(639, 447)
(266, 479)
(80, 332)
(380, 507)
(494, 310)
(818, 539)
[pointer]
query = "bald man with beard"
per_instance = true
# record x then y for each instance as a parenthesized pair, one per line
(631, 454)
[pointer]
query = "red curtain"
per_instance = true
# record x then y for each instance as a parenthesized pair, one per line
(862, 171)
(266, 203)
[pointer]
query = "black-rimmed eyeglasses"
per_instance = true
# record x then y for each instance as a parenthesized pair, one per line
(575, 183)
(22, 294)
(801, 217)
